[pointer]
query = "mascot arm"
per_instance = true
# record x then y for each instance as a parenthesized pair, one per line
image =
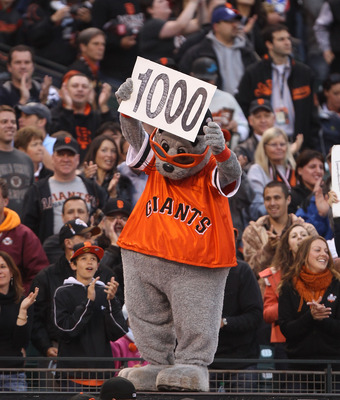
(227, 164)
(132, 129)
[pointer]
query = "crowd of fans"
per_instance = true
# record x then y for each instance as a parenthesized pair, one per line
(64, 181)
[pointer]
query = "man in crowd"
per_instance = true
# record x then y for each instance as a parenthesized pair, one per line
(225, 46)
(75, 114)
(19, 241)
(22, 88)
(91, 42)
(74, 207)
(44, 200)
(261, 237)
(261, 117)
(121, 20)
(16, 167)
(286, 83)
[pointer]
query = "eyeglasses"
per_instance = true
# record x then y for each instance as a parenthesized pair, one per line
(183, 160)
(276, 144)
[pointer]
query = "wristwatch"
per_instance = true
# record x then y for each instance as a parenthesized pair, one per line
(224, 321)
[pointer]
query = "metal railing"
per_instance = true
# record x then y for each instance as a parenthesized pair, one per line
(307, 376)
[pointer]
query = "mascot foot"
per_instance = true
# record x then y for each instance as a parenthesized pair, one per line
(183, 377)
(144, 378)
(124, 373)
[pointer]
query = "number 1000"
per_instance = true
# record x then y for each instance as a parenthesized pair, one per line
(167, 100)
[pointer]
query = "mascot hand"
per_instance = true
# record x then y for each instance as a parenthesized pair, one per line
(214, 137)
(124, 91)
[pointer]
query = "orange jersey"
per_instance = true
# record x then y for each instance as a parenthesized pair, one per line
(186, 221)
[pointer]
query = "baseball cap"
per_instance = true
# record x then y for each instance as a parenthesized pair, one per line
(167, 62)
(115, 206)
(38, 109)
(76, 227)
(225, 13)
(66, 143)
(87, 247)
(260, 104)
(204, 68)
(117, 387)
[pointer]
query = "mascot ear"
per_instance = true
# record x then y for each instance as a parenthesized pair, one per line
(205, 121)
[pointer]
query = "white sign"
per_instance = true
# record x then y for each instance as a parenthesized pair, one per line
(336, 178)
(167, 99)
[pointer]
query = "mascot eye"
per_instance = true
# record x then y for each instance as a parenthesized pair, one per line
(165, 147)
(181, 151)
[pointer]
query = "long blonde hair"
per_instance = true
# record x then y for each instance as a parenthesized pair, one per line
(261, 157)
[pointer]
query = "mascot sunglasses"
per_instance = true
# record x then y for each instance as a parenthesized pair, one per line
(183, 160)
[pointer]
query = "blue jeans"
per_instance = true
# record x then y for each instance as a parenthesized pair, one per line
(14, 382)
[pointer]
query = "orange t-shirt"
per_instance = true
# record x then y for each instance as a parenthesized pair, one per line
(186, 221)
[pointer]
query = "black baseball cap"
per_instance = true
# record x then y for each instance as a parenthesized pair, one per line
(76, 227)
(260, 104)
(118, 388)
(38, 109)
(66, 143)
(204, 68)
(115, 206)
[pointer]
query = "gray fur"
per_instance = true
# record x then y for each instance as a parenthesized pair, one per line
(124, 91)
(173, 295)
(186, 378)
(175, 143)
(132, 129)
(229, 170)
(169, 301)
(214, 137)
(143, 378)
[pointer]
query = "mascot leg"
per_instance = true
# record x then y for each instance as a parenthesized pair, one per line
(196, 297)
(168, 301)
(150, 319)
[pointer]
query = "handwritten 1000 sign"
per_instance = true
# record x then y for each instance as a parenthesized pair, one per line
(166, 101)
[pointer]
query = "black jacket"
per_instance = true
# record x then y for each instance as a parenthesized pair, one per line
(13, 337)
(112, 260)
(300, 198)
(243, 309)
(305, 337)
(257, 82)
(48, 280)
(86, 327)
(81, 126)
(38, 210)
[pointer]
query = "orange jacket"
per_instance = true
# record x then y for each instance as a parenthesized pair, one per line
(271, 303)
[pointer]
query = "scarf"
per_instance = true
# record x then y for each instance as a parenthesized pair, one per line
(310, 285)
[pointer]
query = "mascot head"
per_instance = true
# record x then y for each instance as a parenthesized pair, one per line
(178, 158)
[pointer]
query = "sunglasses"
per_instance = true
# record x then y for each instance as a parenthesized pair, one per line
(183, 160)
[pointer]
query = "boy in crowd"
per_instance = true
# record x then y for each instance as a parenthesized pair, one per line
(87, 316)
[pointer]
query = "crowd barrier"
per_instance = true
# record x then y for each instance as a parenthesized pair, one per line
(309, 379)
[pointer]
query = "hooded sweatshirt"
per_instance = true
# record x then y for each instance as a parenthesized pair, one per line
(86, 327)
(23, 246)
(229, 61)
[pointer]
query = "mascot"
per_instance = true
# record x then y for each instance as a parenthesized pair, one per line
(177, 247)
